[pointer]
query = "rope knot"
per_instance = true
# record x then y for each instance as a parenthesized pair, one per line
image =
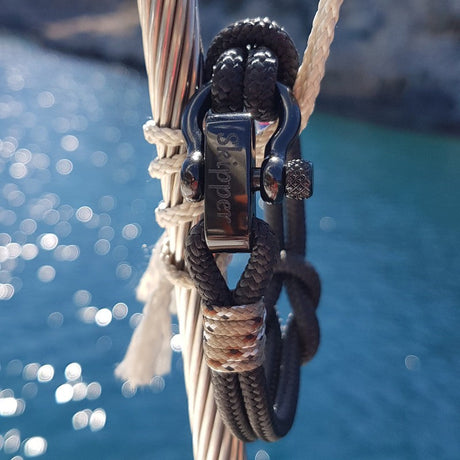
(296, 268)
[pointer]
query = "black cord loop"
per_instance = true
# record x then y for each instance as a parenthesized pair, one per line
(244, 63)
(252, 33)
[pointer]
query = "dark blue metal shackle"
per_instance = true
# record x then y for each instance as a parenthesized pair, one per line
(272, 172)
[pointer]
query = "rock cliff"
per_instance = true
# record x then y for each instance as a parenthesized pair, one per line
(396, 62)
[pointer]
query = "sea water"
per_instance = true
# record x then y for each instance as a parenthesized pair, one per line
(76, 231)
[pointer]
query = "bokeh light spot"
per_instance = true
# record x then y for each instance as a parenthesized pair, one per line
(30, 371)
(412, 362)
(99, 159)
(106, 232)
(18, 170)
(176, 343)
(12, 441)
(45, 99)
(82, 298)
(124, 271)
(55, 320)
(130, 231)
(102, 247)
(29, 251)
(262, 455)
(120, 310)
(63, 393)
(128, 390)
(28, 226)
(69, 143)
(67, 253)
(49, 241)
(93, 391)
(45, 373)
(84, 214)
(8, 406)
(64, 166)
(87, 314)
(46, 273)
(80, 420)
(135, 320)
(79, 391)
(29, 390)
(157, 384)
(104, 344)
(72, 372)
(97, 420)
(107, 203)
(6, 291)
(34, 447)
(103, 317)
(14, 367)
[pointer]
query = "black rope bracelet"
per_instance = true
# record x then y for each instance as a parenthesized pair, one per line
(255, 364)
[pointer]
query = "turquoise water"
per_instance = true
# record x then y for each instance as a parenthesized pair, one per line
(76, 228)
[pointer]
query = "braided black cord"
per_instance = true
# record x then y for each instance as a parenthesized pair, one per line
(245, 61)
(253, 33)
(227, 82)
(214, 291)
(299, 276)
(259, 84)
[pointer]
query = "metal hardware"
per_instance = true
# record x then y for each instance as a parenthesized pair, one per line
(220, 167)
(228, 161)
(192, 173)
(272, 170)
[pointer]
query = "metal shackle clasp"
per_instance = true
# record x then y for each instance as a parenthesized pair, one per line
(219, 167)
(272, 171)
(192, 171)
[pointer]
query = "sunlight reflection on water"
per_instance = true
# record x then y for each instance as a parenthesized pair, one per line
(62, 160)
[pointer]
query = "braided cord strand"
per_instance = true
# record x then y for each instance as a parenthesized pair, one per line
(311, 71)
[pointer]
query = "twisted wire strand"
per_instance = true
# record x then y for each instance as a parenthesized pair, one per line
(172, 50)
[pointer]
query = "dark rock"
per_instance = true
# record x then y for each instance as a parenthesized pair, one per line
(396, 61)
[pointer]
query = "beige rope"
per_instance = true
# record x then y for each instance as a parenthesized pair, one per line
(230, 328)
(162, 135)
(234, 341)
(175, 275)
(182, 213)
(232, 312)
(161, 166)
(311, 71)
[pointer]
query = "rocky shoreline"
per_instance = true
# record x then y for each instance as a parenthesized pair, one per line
(394, 62)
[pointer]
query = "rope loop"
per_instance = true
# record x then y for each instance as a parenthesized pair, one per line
(252, 33)
(181, 213)
(250, 357)
(161, 167)
(164, 135)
